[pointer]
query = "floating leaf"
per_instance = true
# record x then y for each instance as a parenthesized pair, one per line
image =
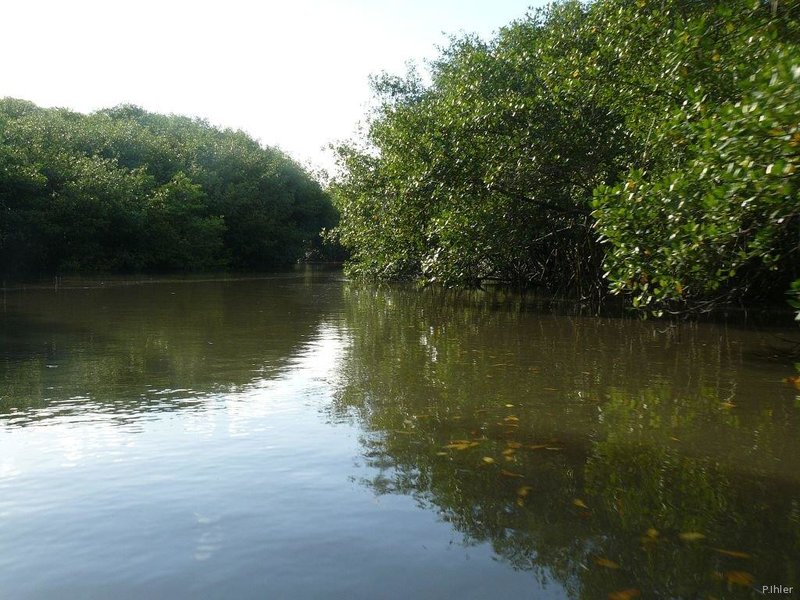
(488, 460)
(628, 594)
(652, 533)
(514, 445)
(509, 452)
(742, 578)
(524, 491)
(511, 419)
(728, 405)
(692, 536)
(461, 445)
(733, 553)
(510, 473)
(793, 379)
(509, 406)
(580, 503)
(537, 447)
(604, 562)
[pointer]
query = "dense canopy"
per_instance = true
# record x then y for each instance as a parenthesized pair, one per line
(646, 147)
(127, 190)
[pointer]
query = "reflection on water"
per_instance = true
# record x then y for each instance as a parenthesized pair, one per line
(607, 454)
(297, 436)
(140, 348)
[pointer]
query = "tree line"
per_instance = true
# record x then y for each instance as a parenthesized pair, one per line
(124, 189)
(648, 148)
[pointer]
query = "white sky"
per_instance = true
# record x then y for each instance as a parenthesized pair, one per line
(291, 74)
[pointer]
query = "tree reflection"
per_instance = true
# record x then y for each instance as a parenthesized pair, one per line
(152, 347)
(606, 453)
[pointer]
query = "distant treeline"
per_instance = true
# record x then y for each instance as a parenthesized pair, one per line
(128, 190)
(643, 147)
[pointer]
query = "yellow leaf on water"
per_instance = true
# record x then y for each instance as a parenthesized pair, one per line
(628, 594)
(488, 460)
(580, 503)
(461, 445)
(728, 405)
(733, 553)
(742, 578)
(793, 379)
(652, 533)
(510, 473)
(509, 406)
(441, 454)
(511, 419)
(514, 445)
(691, 536)
(604, 562)
(524, 491)
(509, 452)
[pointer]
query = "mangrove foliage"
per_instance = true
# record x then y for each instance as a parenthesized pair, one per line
(648, 148)
(124, 189)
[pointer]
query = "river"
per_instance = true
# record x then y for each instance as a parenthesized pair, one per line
(302, 436)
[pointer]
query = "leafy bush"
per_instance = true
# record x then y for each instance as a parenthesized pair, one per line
(641, 147)
(123, 189)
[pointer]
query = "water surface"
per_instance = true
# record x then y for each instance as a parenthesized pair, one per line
(299, 436)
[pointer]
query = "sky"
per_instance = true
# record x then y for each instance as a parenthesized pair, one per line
(292, 74)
